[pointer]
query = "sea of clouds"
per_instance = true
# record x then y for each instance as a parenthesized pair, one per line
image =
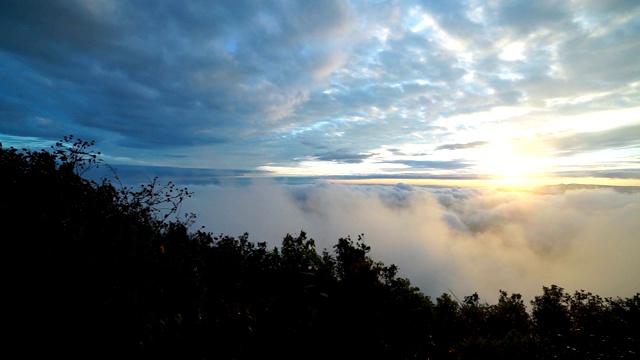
(453, 240)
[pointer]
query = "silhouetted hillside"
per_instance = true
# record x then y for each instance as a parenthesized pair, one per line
(96, 270)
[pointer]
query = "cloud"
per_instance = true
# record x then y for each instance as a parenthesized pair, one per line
(134, 175)
(432, 164)
(466, 240)
(607, 173)
(342, 156)
(265, 83)
(167, 73)
(470, 145)
(624, 137)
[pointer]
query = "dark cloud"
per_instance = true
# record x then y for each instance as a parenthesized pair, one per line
(407, 174)
(169, 72)
(47, 31)
(470, 145)
(396, 151)
(625, 137)
(525, 17)
(633, 173)
(433, 164)
(342, 156)
(134, 175)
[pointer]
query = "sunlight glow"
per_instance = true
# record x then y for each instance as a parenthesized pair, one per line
(511, 169)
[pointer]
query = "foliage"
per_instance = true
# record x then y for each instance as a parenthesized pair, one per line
(99, 271)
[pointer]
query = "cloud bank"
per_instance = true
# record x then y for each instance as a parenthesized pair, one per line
(451, 239)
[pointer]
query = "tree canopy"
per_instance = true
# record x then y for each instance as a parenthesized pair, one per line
(99, 270)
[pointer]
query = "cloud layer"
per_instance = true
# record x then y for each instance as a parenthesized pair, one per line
(451, 239)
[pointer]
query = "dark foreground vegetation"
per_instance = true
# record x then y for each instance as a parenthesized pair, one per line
(97, 270)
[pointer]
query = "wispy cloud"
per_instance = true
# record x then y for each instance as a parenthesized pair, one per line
(432, 164)
(470, 145)
(342, 156)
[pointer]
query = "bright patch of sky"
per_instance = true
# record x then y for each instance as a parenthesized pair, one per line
(513, 52)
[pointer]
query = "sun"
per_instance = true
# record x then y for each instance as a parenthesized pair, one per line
(515, 170)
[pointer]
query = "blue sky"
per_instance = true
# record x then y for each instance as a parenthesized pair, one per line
(453, 90)
(270, 111)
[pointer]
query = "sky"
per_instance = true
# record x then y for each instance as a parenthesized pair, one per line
(291, 100)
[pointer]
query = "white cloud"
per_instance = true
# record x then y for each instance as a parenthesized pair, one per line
(465, 240)
(513, 51)
(594, 121)
(495, 114)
